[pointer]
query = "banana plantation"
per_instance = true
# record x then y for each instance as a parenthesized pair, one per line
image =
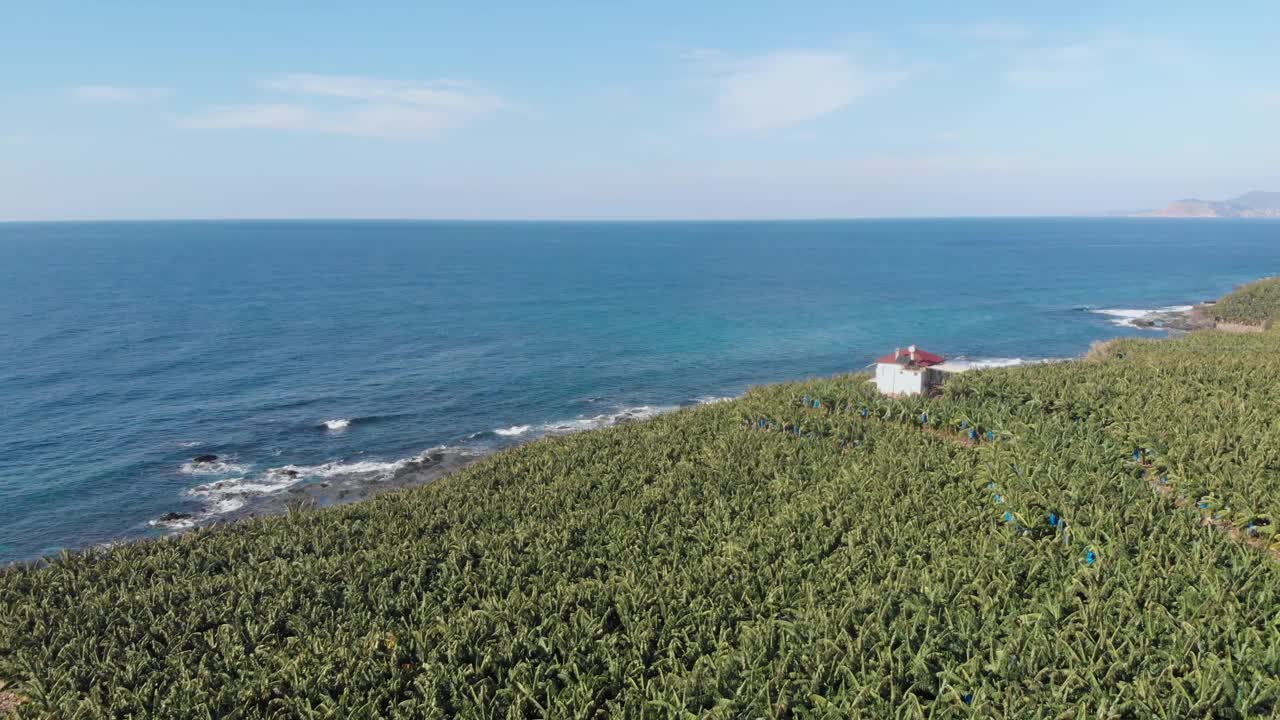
(1255, 304)
(1090, 539)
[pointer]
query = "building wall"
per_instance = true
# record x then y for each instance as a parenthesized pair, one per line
(893, 379)
(934, 378)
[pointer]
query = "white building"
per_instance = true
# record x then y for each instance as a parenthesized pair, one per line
(909, 372)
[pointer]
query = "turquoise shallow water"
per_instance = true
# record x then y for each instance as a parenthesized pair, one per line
(330, 352)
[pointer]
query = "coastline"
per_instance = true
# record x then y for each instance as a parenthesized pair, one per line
(1208, 314)
(421, 470)
(237, 491)
(306, 491)
(438, 463)
(280, 490)
(594, 534)
(340, 383)
(1181, 319)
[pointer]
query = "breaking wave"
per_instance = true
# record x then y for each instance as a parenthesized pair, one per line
(233, 486)
(229, 495)
(712, 399)
(1126, 317)
(513, 431)
(281, 478)
(215, 467)
(982, 363)
(625, 415)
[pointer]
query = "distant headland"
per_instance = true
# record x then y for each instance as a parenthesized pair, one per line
(1256, 204)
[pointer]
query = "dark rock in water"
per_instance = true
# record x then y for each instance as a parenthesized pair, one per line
(175, 516)
(435, 457)
(1144, 322)
(289, 473)
(204, 459)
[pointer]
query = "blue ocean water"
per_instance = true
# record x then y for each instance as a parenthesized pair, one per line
(329, 353)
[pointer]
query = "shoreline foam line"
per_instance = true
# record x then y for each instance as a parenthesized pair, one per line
(236, 485)
(1127, 317)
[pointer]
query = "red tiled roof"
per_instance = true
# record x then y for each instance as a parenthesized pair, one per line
(903, 356)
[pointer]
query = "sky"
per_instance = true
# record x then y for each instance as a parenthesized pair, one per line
(647, 110)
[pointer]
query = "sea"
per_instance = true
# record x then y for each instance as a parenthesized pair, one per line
(158, 376)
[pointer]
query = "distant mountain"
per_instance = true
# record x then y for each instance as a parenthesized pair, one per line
(1251, 204)
(1259, 200)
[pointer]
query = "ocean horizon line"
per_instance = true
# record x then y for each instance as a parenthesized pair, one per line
(599, 221)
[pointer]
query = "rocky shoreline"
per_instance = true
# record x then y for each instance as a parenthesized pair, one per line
(424, 469)
(1203, 316)
(1198, 317)
(433, 465)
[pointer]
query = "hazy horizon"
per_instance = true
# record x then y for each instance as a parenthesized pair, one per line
(666, 112)
(607, 220)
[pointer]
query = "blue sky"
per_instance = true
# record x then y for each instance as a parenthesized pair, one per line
(652, 110)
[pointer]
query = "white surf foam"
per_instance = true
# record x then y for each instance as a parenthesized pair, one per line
(513, 431)
(262, 485)
(378, 469)
(337, 424)
(216, 505)
(332, 469)
(218, 494)
(276, 479)
(963, 363)
(217, 467)
(981, 363)
(1125, 317)
(176, 524)
(227, 505)
(712, 399)
(230, 494)
(582, 422)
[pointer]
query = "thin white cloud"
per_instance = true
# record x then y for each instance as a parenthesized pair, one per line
(119, 93)
(445, 96)
(787, 88)
(1269, 99)
(274, 116)
(356, 105)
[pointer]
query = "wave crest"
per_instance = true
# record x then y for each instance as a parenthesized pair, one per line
(712, 399)
(232, 486)
(1127, 317)
(625, 415)
(513, 431)
(217, 467)
(228, 495)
